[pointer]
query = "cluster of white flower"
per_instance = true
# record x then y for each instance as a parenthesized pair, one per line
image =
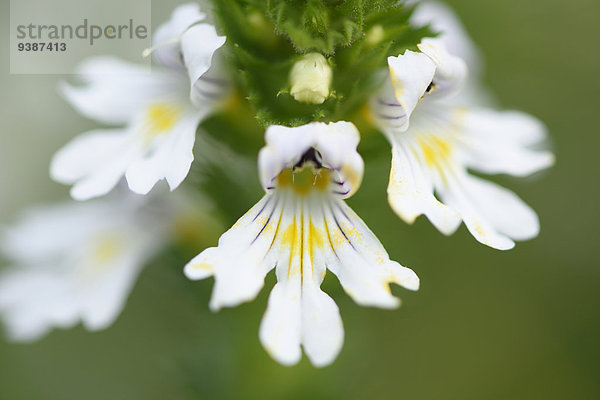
(428, 109)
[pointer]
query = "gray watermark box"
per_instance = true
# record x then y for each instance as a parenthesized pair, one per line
(54, 36)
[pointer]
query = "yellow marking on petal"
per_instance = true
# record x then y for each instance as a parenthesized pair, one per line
(304, 180)
(437, 153)
(316, 241)
(160, 119)
(203, 266)
(316, 236)
(398, 86)
(267, 224)
(460, 114)
(338, 236)
(262, 221)
(288, 240)
(396, 177)
(479, 229)
(353, 177)
(312, 241)
(285, 178)
(106, 249)
(436, 150)
(333, 241)
(386, 285)
(289, 235)
(355, 235)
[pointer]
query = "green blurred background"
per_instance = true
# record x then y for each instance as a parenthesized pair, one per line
(522, 324)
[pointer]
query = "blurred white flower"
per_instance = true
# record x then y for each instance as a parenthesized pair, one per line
(437, 134)
(77, 262)
(302, 227)
(154, 107)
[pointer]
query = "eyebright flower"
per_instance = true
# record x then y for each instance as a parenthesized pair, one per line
(311, 79)
(160, 120)
(437, 135)
(302, 227)
(77, 262)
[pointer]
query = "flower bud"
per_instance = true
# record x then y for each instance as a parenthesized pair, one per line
(375, 35)
(310, 78)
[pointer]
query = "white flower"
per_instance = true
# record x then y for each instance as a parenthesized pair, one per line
(76, 262)
(310, 78)
(437, 135)
(159, 119)
(302, 227)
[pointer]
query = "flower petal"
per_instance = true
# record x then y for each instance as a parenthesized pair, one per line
(114, 90)
(301, 227)
(94, 162)
(239, 263)
(410, 76)
(504, 210)
(491, 213)
(450, 73)
(281, 327)
(410, 193)
(106, 299)
(336, 142)
(299, 313)
(359, 260)
(45, 233)
(322, 328)
(32, 302)
(169, 158)
(87, 281)
(502, 142)
(284, 148)
(85, 153)
(165, 41)
(198, 45)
